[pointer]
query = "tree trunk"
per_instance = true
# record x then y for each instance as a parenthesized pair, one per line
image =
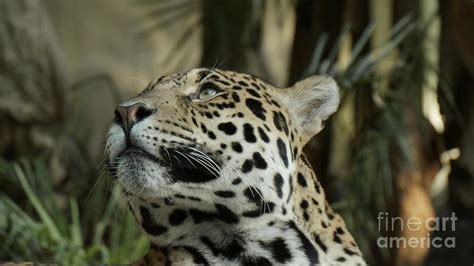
(457, 70)
(456, 89)
(314, 18)
(227, 33)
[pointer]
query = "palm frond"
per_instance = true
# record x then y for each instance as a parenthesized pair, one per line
(169, 16)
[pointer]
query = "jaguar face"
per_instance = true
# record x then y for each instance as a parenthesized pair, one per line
(204, 131)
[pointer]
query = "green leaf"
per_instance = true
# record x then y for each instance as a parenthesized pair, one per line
(42, 213)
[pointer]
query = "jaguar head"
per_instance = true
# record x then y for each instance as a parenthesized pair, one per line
(203, 132)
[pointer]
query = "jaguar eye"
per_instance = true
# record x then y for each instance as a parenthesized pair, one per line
(207, 93)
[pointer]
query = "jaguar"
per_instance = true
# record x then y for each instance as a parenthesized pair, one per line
(211, 165)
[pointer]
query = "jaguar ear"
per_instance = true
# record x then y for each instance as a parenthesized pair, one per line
(311, 101)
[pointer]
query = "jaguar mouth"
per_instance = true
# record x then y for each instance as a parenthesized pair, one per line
(136, 152)
(183, 164)
(190, 165)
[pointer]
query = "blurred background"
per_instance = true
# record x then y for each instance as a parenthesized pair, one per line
(400, 143)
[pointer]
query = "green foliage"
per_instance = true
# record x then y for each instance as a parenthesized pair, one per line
(52, 231)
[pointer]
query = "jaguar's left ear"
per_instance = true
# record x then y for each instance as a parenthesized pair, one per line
(311, 101)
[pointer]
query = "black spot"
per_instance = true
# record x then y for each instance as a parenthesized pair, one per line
(341, 259)
(236, 147)
(282, 151)
(149, 225)
(198, 258)
(330, 216)
(194, 198)
(177, 217)
(247, 166)
(243, 83)
(306, 245)
(263, 135)
(223, 82)
(259, 162)
(290, 181)
(278, 181)
(275, 103)
(255, 85)
(199, 216)
(225, 193)
(258, 261)
(248, 133)
(208, 115)
(304, 204)
(235, 97)
(223, 145)
(339, 230)
(280, 122)
(349, 252)
(211, 135)
(302, 180)
(336, 238)
(256, 107)
(236, 181)
(306, 216)
(228, 128)
(226, 215)
(320, 243)
(279, 250)
(253, 93)
(203, 128)
(232, 250)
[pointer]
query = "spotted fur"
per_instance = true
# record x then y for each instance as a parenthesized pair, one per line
(222, 180)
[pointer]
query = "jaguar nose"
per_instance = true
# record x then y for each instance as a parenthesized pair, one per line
(128, 116)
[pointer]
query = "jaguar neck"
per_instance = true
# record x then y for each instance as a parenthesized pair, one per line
(218, 243)
(170, 220)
